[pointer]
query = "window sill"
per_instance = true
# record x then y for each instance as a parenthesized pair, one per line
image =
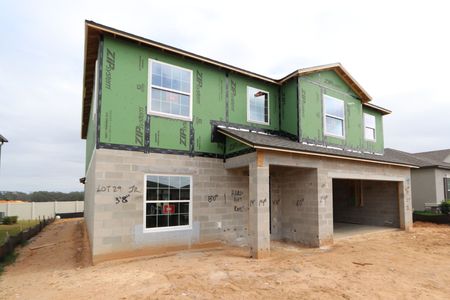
(167, 229)
(259, 123)
(334, 136)
(169, 116)
(370, 140)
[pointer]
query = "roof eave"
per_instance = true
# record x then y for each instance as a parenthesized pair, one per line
(271, 148)
(83, 93)
(384, 111)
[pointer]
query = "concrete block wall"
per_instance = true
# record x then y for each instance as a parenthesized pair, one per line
(220, 201)
(259, 216)
(380, 205)
(276, 212)
(296, 214)
(89, 199)
(301, 198)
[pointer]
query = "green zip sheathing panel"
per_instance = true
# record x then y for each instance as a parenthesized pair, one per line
(90, 138)
(216, 96)
(312, 87)
(237, 100)
(124, 94)
(289, 107)
(233, 146)
(376, 146)
(331, 80)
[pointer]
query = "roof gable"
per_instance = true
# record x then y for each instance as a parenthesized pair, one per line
(331, 79)
(339, 70)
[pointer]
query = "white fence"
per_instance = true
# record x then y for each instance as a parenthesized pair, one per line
(36, 210)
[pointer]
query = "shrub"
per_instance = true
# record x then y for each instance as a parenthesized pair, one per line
(10, 220)
(445, 207)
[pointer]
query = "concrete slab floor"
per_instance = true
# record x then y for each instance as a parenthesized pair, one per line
(346, 230)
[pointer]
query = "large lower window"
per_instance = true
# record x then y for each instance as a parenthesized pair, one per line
(334, 116)
(257, 106)
(369, 127)
(170, 90)
(168, 202)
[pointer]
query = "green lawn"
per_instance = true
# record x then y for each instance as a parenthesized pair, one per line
(15, 228)
(427, 213)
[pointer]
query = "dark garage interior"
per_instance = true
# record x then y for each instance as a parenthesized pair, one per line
(365, 202)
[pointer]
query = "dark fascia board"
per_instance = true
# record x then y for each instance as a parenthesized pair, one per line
(91, 26)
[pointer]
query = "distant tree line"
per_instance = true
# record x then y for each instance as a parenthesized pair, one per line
(42, 196)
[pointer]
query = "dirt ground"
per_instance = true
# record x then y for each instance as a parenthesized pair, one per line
(385, 265)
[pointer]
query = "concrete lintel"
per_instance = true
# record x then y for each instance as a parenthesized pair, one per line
(363, 176)
(240, 161)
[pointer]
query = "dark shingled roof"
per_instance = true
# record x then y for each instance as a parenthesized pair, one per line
(422, 159)
(275, 142)
(438, 155)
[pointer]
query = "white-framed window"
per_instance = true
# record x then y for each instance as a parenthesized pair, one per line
(334, 116)
(167, 202)
(170, 90)
(369, 127)
(257, 106)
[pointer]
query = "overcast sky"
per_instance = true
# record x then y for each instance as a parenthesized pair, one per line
(398, 51)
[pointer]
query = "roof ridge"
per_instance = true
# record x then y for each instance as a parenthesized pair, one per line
(434, 151)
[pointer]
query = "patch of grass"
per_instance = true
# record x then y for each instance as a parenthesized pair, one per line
(427, 213)
(15, 229)
(7, 260)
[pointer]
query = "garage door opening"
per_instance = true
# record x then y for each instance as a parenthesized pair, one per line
(363, 206)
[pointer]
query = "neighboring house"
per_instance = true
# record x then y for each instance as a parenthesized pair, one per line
(431, 181)
(183, 150)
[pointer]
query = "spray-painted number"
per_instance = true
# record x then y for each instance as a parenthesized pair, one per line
(109, 188)
(122, 199)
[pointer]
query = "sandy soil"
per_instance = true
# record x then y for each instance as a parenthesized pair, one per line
(385, 265)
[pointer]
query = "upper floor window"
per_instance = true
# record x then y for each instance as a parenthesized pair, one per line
(170, 90)
(168, 202)
(257, 106)
(334, 117)
(369, 127)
